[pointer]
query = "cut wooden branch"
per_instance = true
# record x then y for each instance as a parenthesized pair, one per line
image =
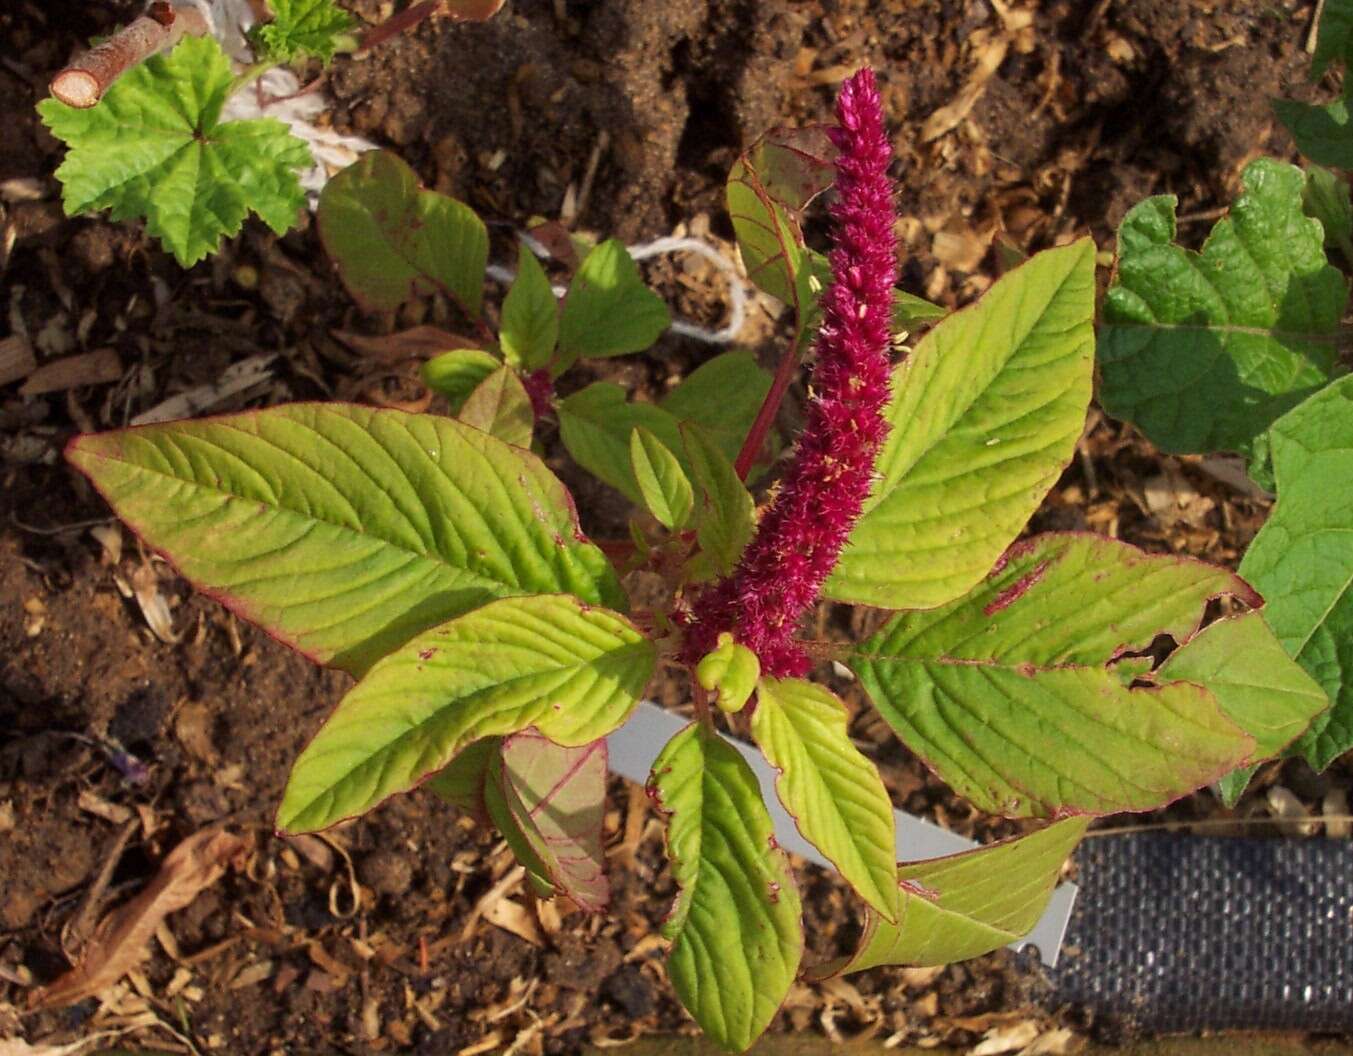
(83, 82)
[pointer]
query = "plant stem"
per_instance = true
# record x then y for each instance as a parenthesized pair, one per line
(83, 82)
(770, 407)
(397, 24)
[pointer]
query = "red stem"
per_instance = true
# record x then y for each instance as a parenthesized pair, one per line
(398, 23)
(770, 408)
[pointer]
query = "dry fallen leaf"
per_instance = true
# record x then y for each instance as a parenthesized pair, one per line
(87, 368)
(123, 937)
(1010, 1038)
(154, 607)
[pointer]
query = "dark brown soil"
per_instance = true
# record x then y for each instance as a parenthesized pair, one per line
(106, 728)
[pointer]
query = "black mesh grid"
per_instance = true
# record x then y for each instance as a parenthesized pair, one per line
(1175, 933)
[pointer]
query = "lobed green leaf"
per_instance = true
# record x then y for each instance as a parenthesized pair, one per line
(735, 929)
(391, 240)
(155, 146)
(1302, 559)
(1202, 351)
(1009, 694)
(833, 792)
(571, 670)
(345, 530)
(299, 28)
(985, 413)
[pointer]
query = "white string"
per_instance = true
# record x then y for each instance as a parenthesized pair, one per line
(274, 95)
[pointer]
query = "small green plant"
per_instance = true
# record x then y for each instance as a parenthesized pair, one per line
(147, 138)
(495, 647)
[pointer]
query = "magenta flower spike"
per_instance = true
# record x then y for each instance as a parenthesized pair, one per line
(800, 535)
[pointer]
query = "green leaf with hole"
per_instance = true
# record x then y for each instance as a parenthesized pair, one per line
(663, 484)
(1302, 559)
(1010, 693)
(299, 28)
(735, 931)
(966, 904)
(345, 530)
(155, 147)
(1259, 687)
(500, 407)
(1203, 351)
(391, 240)
(572, 670)
(725, 514)
(458, 373)
(549, 802)
(530, 327)
(608, 310)
(730, 672)
(722, 396)
(985, 413)
(833, 792)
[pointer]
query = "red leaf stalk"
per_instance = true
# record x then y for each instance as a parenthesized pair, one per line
(800, 535)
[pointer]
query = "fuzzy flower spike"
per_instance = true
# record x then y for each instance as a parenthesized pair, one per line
(800, 535)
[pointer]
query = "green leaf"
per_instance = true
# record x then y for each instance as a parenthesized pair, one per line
(1260, 688)
(1334, 35)
(725, 514)
(768, 188)
(967, 904)
(344, 530)
(722, 396)
(1302, 559)
(530, 327)
(392, 241)
(595, 425)
(461, 781)
(572, 670)
(300, 28)
(911, 312)
(1322, 133)
(662, 483)
(1202, 351)
(1231, 787)
(549, 802)
(458, 373)
(608, 310)
(985, 413)
(155, 146)
(730, 672)
(1326, 198)
(1009, 694)
(833, 792)
(500, 407)
(735, 931)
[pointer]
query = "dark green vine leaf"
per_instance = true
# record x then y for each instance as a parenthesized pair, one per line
(1322, 133)
(1302, 559)
(735, 930)
(1203, 351)
(155, 147)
